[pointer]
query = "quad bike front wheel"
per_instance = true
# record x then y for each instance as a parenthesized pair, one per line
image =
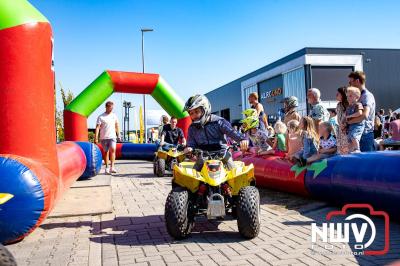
(6, 258)
(248, 212)
(177, 213)
(160, 167)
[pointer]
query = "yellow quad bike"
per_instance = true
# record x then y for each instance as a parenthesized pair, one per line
(212, 191)
(6, 258)
(164, 161)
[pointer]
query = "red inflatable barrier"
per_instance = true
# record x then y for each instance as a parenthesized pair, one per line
(274, 172)
(72, 163)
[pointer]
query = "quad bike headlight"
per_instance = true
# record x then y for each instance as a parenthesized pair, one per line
(214, 169)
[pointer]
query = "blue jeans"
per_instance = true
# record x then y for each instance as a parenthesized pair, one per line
(367, 142)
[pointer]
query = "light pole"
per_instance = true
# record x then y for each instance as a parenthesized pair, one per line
(127, 106)
(144, 95)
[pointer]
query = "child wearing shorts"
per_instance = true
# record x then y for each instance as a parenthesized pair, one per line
(355, 109)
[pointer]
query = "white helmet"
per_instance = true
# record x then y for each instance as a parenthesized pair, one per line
(197, 101)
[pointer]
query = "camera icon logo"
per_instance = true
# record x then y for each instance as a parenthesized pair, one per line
(340, 232)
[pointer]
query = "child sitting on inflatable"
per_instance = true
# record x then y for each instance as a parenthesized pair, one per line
(279, 146)
(310, 141)
(294, 141)
(258, 138)
(327, 144)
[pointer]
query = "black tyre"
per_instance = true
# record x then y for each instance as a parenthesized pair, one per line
(155, 166)
(248, 212)
(6, 258)
(160, 167)
(178, 218)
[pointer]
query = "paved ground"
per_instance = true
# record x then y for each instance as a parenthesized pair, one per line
(135, 232)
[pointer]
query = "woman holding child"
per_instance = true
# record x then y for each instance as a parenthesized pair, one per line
(341, 136)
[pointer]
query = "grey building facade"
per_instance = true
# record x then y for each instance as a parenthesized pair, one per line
(323, 68)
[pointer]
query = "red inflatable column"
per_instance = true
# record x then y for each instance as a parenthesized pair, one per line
(27, 94)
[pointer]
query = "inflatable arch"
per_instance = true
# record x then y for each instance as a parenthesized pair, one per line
(77, 112)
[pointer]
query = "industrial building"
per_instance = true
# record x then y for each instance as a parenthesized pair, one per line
(323, 68)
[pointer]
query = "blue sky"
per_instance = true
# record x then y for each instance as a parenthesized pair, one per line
(199, 45)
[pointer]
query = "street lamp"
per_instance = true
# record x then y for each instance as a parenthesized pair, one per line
(144, 95)
(127, 106)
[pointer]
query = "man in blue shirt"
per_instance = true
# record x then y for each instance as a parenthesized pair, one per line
(367, 99)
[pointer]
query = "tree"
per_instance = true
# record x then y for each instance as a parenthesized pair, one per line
(67, 98)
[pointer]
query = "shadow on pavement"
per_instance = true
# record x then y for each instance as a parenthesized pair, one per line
(149, 230)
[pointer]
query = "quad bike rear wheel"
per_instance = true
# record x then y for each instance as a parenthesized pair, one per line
(178, 218)
(248, 212)
(6, 258)
(160, 167)
(155, 166)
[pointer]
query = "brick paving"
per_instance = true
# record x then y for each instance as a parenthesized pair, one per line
(134, 234)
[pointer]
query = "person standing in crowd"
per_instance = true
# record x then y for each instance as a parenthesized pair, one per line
(289, 106)
(333, 120)
(381, 115)
(390, 114)
(382, 120)
(318, 112)
(357, 79)
(354, 111)
(164, 122)
(253, 100)
(341, 136)
(108, 127)
(377, 127)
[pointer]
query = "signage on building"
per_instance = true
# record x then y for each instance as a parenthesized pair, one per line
(272, 93)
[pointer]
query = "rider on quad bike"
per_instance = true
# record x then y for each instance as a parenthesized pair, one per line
(171, 135)
(214, 185)
(207, 131)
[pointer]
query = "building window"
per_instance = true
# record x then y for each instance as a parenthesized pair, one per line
(271, 94)
(328, 79)
(245, 95)
(226, 114)
(294, 85)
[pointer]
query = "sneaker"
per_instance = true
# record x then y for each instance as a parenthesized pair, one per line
(113, 171)
(107, 171)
